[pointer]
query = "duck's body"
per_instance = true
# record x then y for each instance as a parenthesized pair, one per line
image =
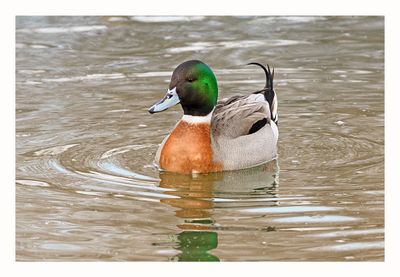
(235, 133)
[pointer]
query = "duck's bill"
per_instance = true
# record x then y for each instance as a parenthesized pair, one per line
(170, 99)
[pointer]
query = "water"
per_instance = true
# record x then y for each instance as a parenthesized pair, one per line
(86, 186)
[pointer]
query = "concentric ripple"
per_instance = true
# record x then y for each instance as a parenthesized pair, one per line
(112, 167)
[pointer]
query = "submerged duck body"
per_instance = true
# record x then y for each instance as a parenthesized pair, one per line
(233, 133)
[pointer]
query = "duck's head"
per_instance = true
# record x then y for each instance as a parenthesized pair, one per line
(194, 86)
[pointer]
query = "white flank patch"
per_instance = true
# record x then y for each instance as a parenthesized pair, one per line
(274, 129)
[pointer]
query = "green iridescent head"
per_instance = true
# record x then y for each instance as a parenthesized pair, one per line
(194, 86)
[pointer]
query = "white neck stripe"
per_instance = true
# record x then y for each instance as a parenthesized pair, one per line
(192, 119)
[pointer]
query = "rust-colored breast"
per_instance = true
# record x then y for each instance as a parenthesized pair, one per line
(188, 150)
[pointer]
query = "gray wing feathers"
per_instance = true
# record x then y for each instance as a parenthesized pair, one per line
(235, 116)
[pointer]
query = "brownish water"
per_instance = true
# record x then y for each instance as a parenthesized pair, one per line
(86, 187)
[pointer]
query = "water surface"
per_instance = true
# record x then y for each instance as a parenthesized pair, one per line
(86, 186)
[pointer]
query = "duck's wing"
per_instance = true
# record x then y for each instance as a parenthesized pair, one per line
(244, 115)
(240, 116)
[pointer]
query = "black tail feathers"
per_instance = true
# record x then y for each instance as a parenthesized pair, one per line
(269, 85)
(268, 91)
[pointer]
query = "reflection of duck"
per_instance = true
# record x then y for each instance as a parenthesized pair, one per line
(194, 196)
(235, 133)
(195, 201)
(194, 205)
(194, 246)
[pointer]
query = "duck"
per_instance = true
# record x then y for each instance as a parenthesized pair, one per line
(216, 135)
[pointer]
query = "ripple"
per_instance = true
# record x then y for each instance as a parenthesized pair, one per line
(152, 74)
(258, 199)
(136, 180)
(195, 46)
(351, 246)
(34, 46)
(290, 209)
(89, 77)
(303, 19)
(56, 150)
(56, 30)
(207, 46)
(349, 233)
(337, 148)
(31, 71)
(94, 193)
(160, 19)
(316, 219)
(113, 168)
(124, 149)
(33, 183)
(61, 247)
(349, 150)
(117, 18)
(105, 169)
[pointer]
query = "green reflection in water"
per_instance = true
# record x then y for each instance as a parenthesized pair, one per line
(195, 244)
